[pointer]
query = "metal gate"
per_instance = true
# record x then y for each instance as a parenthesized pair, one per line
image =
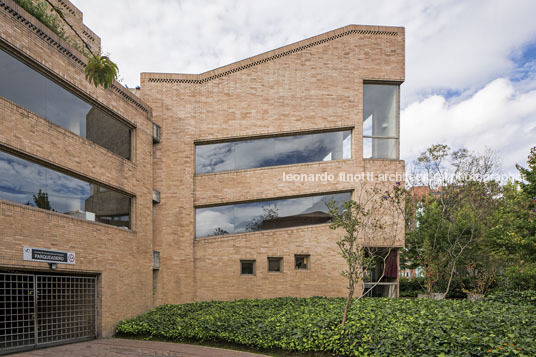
(38, 310)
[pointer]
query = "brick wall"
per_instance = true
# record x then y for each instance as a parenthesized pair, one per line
(311, 85)
(121, 258)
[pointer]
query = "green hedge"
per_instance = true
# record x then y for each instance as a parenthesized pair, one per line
(415, 286)
(527, 297)
(376, 327)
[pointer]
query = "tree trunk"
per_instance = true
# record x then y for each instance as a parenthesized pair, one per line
(348, 302)
(450, 278)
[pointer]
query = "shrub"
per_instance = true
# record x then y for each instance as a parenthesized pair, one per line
(527, 297)
(375, 327)
(415, 286)
(40, 11)
(521, 277)
(411, 288)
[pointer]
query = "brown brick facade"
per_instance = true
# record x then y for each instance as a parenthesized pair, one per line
(313, 85)
(122, 259)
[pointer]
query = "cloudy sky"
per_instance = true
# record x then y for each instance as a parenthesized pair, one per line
(470, 65)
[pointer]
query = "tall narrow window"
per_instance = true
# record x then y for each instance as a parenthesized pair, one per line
(380, 121)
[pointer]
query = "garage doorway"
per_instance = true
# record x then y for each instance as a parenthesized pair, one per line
(40, 310)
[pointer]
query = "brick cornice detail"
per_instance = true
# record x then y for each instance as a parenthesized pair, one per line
(266, 57)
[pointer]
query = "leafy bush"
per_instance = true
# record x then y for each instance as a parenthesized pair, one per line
(521, 277)
(375, 327)
(411, 287)
(415, 286)
(527, 297)
(41, 12)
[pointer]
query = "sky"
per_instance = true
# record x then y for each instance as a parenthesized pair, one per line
(470, 65)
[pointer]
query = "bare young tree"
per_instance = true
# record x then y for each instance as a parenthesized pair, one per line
(452, 212)
(373, 219)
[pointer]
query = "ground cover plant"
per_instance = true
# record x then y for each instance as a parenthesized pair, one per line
(375, 327)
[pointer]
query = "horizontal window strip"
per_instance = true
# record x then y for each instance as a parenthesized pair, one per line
(266, 215)
(31, 184)
(273, 151)
(32, 90)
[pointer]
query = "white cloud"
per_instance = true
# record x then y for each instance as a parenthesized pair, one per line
(498, 117)
(452, 46)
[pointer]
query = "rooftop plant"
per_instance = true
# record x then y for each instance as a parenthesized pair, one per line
(100, 70)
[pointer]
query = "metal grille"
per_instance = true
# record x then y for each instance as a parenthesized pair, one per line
(39, 310)
(65, 308)
(17, 304)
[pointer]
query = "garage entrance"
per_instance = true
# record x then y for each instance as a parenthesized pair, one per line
(39, 310)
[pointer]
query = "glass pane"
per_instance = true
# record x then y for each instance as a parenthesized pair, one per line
(274, 264)
(35, 92)
(380, 110)
(284, 150)
(247, 267)
(378, 148)
(264, 215)
(347, 145)
(34, 185)
(301, 262)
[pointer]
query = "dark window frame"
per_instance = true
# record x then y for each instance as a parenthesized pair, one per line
(275, 259)
(307, 258)
(253, 268)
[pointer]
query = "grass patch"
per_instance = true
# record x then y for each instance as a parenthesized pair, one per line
(376, 327)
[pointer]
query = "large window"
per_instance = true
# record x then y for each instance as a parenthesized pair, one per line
(264, 215)
(35, 92)
(380, 121)
(31, 184)
(283, 150)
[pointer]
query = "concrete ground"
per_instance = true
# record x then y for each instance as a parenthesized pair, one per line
(116, 347)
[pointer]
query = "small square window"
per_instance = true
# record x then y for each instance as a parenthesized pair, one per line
(275, 265)
(301, 262)
(247, 267)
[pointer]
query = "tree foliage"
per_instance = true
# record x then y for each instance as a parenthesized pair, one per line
(450, 220)
(374, 219)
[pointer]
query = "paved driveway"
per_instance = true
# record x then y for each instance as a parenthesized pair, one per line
(116, 347)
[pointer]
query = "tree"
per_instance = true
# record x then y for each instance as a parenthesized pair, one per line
(374, 219)
(41, 201)
(528, 175)
(513, 236)
(454, 214)
(219, 231)
(269, 213)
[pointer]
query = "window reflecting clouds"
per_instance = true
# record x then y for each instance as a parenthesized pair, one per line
(33, 91)
(28, 183)
(284, 150)
(264, 215)
(380, 121)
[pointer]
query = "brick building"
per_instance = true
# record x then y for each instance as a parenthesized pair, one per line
(112, 202)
